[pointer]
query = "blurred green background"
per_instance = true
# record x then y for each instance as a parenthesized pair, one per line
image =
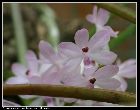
(24, 25)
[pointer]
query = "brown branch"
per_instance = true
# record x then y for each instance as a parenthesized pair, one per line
(96, 94)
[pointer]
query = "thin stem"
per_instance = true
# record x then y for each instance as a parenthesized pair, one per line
(19, 32)
(48, 17)
(96, 94)
(121, 11)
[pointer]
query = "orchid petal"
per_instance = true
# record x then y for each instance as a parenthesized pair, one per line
(91, 18)
(89, 71)
(123, 85)
(128, 63)
(43, 59)
(99, 40)
(81, 38)
(69, 49)
(111, 31)
(46, 50)
(74, 79)
(52, 78)
(106, 72)
(128, 72)
(108, 83)
(32, 62)
(35, 80)
(18, 69)
(17, 80)
(104, 57)
(128, 69)
(73, 64)
(43, 68)
(103, 16)
(87, 61)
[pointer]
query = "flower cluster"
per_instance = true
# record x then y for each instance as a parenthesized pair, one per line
(85, 63)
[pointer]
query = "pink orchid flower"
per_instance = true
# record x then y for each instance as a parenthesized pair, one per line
(24, 73)
(100, 18)
(59, 66)
(56, 59)
(21, 72)
(56, 76)
(103, 77)
(127, 70)
(90, 51)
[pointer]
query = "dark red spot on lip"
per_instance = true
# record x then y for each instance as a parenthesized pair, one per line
(92, 81)
(27, 72)
(62, 82)
(85, 49)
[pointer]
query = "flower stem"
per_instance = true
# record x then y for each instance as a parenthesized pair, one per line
(48, 17)
(121, 11)
(96, 94)
(19, 32)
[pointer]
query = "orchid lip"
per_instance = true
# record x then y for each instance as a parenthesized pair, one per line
(27, 72)
(92, 81)
(85, 49)
(62, 82)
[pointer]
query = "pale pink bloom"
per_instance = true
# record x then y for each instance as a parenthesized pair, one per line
(60, 66)
(100, 18)
(103, 77)
(73, 78)
(47, 78)
(56, 59)
(90, 51)
(24, 73)
(59, 76)
(127, 69)
(123, 85)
